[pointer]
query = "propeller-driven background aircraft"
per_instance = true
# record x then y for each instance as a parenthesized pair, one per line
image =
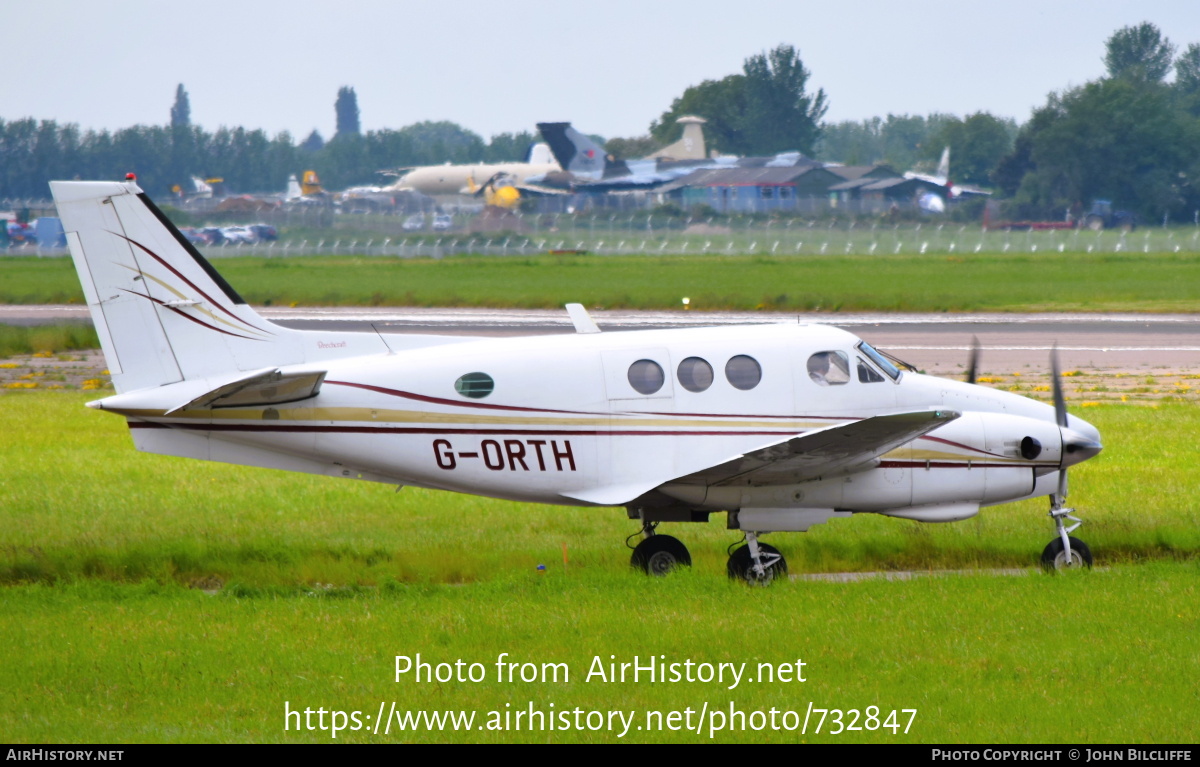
(468, 178)
(780, 426)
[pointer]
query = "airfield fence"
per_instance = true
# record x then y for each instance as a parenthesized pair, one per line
(318, 231)
(779, 241)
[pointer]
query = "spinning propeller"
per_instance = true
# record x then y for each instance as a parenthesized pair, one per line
(1063, 551)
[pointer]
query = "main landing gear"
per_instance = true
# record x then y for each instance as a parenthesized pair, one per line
(755, 563)
(1064, 551)
(758, 564)
(658, 554)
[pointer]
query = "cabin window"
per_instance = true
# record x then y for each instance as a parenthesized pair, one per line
(695, 374)
(743, 372)
(646, 376)
(475, 385)
(829, 368)
(768, 193)
(867, 374)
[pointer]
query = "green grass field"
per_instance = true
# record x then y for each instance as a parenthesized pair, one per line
(1018, 282)
(155, 599)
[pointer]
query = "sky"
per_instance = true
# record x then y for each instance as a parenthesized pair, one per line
(610, 68)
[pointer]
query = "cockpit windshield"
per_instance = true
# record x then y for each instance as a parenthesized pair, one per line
(883, 362)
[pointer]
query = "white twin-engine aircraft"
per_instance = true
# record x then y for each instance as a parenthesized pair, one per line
(781, 426)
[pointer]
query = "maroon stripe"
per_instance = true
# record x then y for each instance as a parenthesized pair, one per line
(190, 284)
(742, 415)
(961, 445)
(199, 322)
(454, 403)
(301, 429)
(952, 465)
(516, 408)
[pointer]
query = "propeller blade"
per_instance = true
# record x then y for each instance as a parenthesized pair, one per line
(1060, 403)
(973, 360)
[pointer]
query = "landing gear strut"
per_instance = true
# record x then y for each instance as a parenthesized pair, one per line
(756, 563)
(1065, 551)
(658, 554)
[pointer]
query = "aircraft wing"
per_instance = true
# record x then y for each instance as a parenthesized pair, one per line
(847, 448)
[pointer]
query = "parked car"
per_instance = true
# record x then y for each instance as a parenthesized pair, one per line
(238, 235)
(442, 222)
(213, 234)
(195, 237)
(264, 232)
(414, 223)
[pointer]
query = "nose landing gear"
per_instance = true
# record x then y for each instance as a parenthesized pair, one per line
(759, 564)
(1064, 551)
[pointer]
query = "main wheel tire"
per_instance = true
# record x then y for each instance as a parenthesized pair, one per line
(660, 554)
(1054, 557)
(741, 566)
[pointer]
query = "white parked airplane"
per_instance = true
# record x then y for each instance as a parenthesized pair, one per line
(780, 426)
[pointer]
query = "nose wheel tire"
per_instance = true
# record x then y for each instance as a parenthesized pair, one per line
(741, 565)
(1057, 557)
(660, 554)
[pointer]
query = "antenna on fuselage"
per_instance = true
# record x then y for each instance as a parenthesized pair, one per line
(386, 345)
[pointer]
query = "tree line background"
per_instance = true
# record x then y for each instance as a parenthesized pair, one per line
(1129, 136)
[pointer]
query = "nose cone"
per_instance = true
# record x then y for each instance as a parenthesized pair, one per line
(1081, 441)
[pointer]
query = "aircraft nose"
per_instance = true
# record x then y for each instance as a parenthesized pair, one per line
(1081, 441)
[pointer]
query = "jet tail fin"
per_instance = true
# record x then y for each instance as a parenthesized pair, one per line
(578, 154)
(690, 146)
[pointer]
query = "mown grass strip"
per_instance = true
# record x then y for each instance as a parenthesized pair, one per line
(152, 599)
(985, 659)
(21, 339)
(1048, 281)
(78, 503)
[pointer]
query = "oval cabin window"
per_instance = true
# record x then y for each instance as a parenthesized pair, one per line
(475, 385)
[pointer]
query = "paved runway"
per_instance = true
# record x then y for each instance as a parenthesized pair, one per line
(937, 343)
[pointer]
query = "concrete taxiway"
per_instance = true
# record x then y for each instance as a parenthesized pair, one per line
(938, 343)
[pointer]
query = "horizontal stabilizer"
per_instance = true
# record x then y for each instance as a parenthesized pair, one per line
(845, 448)
(269, 386)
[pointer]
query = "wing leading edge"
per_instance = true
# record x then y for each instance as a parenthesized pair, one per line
(846, 448)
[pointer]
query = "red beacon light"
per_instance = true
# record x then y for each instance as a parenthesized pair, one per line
(131, 177)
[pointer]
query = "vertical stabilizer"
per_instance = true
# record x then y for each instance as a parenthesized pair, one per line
(162, 312)
(943, 169)
(690, 146)
(578, 154)
(293, 189)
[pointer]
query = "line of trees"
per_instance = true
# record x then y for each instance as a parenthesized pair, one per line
(1129, 136)
(34, 152)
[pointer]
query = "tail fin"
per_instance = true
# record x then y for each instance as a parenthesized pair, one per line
(578, 154)
(162, 312)
(943, 168)
(540, 154)
(311, 184)
(690, 146)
